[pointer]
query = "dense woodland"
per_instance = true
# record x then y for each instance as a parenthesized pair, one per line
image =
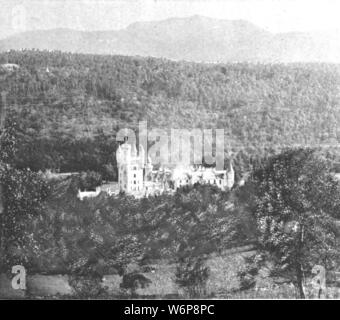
(68, 107)
(104, 234)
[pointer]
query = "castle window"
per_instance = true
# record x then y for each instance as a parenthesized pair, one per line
(134, 182)
(134, 175)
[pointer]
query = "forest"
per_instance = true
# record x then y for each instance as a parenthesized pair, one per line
(63, 113)
(68, 107)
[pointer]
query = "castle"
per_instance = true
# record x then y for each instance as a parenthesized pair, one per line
(136, 175)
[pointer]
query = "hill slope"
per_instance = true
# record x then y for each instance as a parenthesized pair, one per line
(68, 107)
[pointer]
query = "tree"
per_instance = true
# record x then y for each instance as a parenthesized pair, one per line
(192, 275)
(7, 146)
(296, 202)
(133, 281)
(22, 193)
(89, 180)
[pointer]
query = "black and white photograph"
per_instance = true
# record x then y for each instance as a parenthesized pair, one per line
(169, 150)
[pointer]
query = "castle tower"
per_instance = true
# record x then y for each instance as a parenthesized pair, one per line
(148, 167)
(130, 168)
(141, 154)
(230, 176)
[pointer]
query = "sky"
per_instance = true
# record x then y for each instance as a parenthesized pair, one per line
(272, 15)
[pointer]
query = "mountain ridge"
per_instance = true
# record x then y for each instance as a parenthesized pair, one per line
(195, 38)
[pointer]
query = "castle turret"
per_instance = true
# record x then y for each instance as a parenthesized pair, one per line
(148, 167)
(119, 155)
(141, 154)
(230, 176)
(130, 169)
(133, 151)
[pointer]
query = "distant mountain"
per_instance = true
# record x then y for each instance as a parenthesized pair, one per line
(194, 38)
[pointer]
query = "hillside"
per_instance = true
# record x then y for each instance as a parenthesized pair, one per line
(68, 107)
(201, 39)
(110, 232)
